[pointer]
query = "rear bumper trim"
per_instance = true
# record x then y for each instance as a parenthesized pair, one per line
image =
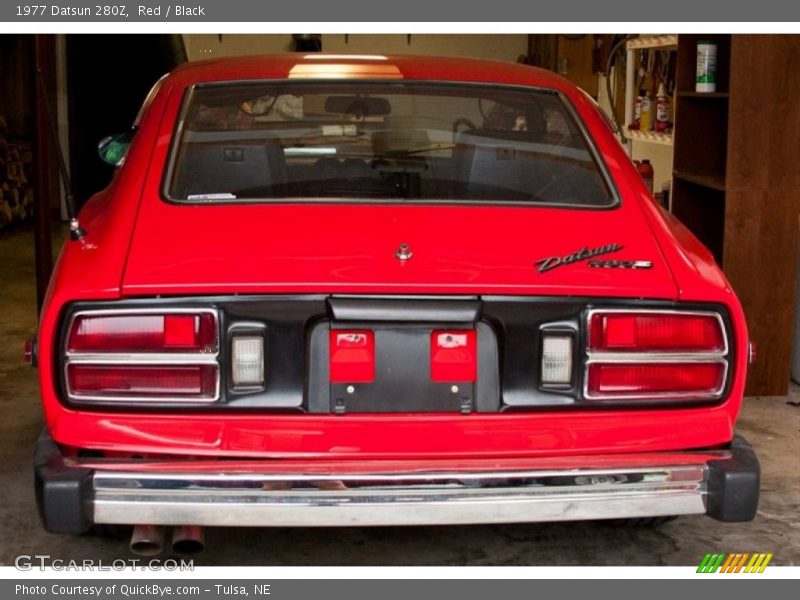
(383, 507)
(419, 497)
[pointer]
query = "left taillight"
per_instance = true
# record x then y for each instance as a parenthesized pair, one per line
(169, 333)
(142, 356)
(655, 355)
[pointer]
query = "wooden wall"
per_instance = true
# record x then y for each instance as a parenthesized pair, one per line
(548, 50)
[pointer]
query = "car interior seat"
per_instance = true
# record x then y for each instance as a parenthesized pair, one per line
(235, 168)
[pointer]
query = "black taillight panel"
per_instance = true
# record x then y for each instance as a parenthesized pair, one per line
(510, 331)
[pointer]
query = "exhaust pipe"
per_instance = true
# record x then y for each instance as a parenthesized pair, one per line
(188, 539)
(147, 540)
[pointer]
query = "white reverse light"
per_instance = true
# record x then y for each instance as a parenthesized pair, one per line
(557, 359)
(248, 360)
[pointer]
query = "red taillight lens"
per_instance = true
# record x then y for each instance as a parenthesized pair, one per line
(642, 380)
(656, 332)
(655, 355)
(184, 332)
(110, 382)
(143, 356)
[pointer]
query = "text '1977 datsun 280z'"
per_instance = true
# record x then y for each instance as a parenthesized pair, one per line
(362, 290)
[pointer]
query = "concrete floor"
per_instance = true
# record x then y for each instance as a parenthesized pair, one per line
(771, 424)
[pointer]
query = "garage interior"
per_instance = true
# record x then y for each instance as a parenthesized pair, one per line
(721, 161)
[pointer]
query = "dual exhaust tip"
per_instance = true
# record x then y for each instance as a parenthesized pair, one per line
(148, 540)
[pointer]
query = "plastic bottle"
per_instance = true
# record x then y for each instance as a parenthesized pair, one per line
(706, 80)
(662, 110)
(637, 114)
(646, 116)
(646, 171)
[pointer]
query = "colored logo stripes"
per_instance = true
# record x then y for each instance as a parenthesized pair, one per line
(735, 563)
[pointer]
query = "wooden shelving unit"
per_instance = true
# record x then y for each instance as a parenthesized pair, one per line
(704, 95)
(650, 136)
(736, 186)
(713, 182)
(701, 145)
(645, 42)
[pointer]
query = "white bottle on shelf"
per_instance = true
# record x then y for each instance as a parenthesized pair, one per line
(706, 67)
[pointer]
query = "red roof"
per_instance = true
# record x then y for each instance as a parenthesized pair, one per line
(346, 66)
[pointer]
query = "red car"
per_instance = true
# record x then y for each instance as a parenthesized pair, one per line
(364, 290)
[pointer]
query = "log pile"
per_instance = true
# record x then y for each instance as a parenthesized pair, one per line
(16, 191)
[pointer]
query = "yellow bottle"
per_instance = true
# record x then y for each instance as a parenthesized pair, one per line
(646, 118)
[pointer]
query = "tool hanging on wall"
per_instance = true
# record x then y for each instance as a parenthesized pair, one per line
(616, 59)
(663, 71)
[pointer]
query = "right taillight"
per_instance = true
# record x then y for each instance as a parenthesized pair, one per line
(655, 332)
(143, 356)
(658, 355)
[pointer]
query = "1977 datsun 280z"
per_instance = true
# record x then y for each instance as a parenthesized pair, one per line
(363, 290)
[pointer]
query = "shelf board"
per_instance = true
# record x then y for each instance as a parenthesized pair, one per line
(714, 182)
(661, 42)
(693, 94)
(651, 137)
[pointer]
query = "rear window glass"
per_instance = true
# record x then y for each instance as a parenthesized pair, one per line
(273, 141)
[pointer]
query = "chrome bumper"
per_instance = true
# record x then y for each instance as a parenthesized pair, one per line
(422, 499)
(73, 495)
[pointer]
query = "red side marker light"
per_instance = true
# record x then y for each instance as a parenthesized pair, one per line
(27, 352)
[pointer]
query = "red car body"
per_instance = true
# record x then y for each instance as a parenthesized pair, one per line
(139, 246)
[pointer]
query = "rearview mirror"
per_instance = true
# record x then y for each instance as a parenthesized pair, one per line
(112, 149)
(358, 106)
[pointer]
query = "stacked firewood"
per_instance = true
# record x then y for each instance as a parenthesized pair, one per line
(16, 192)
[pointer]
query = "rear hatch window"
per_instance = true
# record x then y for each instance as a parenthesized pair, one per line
(374, 142)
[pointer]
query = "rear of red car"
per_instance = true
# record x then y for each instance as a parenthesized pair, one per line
(327, 291)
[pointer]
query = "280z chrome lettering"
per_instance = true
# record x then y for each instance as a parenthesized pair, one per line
(621, 264)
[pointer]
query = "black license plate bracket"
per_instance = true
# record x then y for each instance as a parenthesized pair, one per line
(402, 382)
